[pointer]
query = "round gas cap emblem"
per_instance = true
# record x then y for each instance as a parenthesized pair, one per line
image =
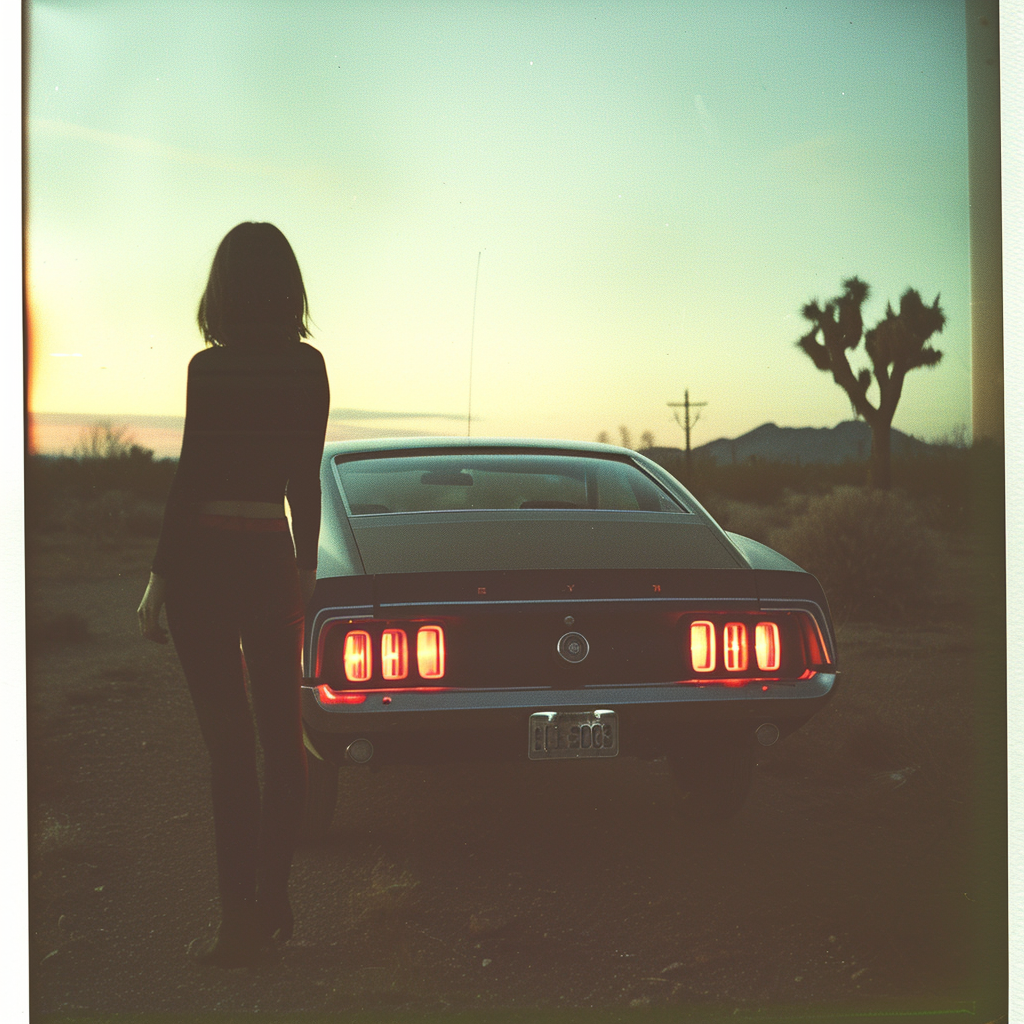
(573, 647)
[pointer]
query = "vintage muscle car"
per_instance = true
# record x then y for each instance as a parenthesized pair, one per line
(546, 601)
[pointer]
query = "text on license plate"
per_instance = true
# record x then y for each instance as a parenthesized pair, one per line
(573, 734)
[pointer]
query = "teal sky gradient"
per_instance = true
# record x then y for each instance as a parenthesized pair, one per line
(655, 189)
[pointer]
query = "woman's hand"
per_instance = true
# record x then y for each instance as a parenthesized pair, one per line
(307, 581)
(149, 610)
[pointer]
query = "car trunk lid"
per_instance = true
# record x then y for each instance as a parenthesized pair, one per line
(497, 541)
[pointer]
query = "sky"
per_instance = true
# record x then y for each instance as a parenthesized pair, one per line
(558, 217)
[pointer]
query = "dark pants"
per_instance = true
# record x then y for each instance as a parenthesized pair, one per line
(232, 587)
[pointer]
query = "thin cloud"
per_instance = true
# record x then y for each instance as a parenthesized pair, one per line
(380, 414)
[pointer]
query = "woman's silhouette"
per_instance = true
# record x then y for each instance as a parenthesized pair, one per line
(226, 568)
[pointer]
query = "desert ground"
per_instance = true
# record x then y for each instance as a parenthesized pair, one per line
(862, 880)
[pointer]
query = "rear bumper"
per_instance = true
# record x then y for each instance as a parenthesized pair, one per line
(453, 725)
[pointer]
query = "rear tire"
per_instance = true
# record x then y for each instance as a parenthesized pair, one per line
(321, 797)
(713, 779)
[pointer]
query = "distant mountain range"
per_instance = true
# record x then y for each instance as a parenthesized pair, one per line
(846, 441)
(52, 433)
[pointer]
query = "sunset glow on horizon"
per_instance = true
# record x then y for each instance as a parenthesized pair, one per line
(651, 192)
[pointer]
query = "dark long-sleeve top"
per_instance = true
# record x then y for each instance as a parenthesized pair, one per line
(255, 420)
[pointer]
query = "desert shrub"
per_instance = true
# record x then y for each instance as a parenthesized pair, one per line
(106, 489)
(753, 519)
(940, 483)
(763, 481)
(103, 441)
(940, 478)
(869, 549)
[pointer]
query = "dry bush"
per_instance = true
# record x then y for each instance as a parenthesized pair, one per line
(870, 550)
(754, 520)
(108, 489)
(103, 441)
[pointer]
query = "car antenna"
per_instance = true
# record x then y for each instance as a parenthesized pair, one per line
(472, 332)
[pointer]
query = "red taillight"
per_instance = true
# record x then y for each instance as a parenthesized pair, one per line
(394, 654)
(782, 645)
(702, 646)
(358, 656)
(329, 696)
(735, 644)
(815, 651)
(766, 646)
(430, 652)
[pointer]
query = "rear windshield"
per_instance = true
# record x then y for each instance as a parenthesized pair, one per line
(438, 483)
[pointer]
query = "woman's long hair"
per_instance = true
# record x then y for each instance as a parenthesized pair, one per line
(254, 294)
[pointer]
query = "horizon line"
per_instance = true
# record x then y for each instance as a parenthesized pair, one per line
(338, 414)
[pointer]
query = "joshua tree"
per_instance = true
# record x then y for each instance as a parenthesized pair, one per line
(897, 344)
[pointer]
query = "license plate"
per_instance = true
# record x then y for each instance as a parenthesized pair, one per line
(555, 734)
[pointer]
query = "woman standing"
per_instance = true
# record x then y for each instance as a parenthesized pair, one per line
(227, 571)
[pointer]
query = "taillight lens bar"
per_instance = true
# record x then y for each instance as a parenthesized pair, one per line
(767, 647)
(734, 649)
(753, 645)
(358, 656)
(359, 646)
(430, 652)
(394, 654)
(702, 646)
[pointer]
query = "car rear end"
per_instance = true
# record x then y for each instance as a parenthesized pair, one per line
(547, 632)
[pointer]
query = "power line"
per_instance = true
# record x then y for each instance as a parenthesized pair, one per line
(686, 405)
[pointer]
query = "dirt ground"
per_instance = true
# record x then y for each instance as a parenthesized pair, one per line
(862, 879)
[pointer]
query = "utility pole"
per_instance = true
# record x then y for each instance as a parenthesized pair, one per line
(686, 405)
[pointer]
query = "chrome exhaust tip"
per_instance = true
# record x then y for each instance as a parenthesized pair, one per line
(767, 734)
(359, 751)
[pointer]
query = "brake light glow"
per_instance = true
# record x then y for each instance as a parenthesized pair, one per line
(358, 656)
(785, 645)
(735, 645)
(329, 696)
(430, 652)
(702, 646)
(394, 654)
(766, 646)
